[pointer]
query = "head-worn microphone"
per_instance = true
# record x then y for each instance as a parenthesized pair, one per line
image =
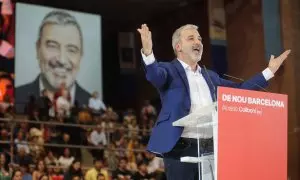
(240, 79)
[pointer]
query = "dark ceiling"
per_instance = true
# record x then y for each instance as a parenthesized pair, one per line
(118, 11)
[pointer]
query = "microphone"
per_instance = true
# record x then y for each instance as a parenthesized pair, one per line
(240, 79)
(212, 84)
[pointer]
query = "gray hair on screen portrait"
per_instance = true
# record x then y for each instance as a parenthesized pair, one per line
(60, 18)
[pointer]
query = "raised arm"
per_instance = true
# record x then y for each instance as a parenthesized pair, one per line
(155, 72)
(259, 81)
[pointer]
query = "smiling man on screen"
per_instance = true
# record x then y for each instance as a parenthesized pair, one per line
(59, 50)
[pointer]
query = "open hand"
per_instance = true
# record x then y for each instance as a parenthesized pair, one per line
(275, 63)
(146, 39)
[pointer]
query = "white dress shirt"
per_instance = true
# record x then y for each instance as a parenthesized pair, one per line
(97, 104)
(66, 161)
(199, 94)
(98, 138)
(199, 90)
(22, 144)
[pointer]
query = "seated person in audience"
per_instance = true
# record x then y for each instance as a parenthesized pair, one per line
(98, 136)
(129, 116)
(99, 139)
(148, 111)
(131, 156)
(25, 171)
(23, 126)
(17, 175)
(122, 172)
(74, 170)
(66, 159)
(133, 129)
(50, 158)
(92, 173)
(4, 169)
(36, 143)
(4, 136)
(155, 165)
(101, 176)
(96, 104)
(40, 170)
(21, 142)
(63, 105)
(111, 157)
(22, 157)
(57, 173)
(142, 173)
(111, 114)
(84, 116)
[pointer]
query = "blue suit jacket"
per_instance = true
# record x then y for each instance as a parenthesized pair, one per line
(171, 82)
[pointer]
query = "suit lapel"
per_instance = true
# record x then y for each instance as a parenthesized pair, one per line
(182, 75)
(209, 82)
(205, 74)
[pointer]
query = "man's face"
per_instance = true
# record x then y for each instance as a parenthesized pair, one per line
(122, 164)
(143, 168)
(98, 165)
(66, 137)
(190, 45)
(59, 52)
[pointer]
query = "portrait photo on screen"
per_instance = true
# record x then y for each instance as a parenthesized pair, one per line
(56, 49)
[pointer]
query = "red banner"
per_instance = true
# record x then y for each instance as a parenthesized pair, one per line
(252, 135)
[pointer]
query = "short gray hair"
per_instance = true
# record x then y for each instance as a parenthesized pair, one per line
(60, 18)
(177, 34)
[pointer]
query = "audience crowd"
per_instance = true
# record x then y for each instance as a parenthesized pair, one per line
(45, 143)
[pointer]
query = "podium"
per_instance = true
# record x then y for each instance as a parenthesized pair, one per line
(249, 130)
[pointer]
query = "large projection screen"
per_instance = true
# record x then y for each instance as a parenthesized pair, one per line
(55, 47)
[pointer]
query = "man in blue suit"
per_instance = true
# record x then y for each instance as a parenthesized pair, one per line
(183, 87)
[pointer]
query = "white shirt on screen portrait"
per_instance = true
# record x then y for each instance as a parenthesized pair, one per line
(199, 90)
